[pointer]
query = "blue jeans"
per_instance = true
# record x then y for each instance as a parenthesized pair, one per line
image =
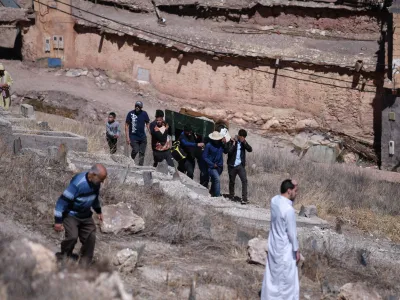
(215, 183)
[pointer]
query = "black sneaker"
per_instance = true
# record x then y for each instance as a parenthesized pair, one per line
(244, 202)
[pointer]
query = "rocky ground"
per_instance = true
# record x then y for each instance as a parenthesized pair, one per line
(187, 238)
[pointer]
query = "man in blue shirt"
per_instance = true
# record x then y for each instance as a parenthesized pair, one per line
(73, 212)
(136, 122)
(237, 163)
(213, 156)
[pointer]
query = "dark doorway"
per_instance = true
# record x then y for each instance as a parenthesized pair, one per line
(13, 53)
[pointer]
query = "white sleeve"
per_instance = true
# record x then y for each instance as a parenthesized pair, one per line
(291, 229)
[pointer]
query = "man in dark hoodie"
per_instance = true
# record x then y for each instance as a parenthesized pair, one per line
(136, 122)
(236, 162)
(159, 140)
(191, 148)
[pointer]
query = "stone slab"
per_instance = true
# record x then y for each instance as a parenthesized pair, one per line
(45, 139)
(27, 111)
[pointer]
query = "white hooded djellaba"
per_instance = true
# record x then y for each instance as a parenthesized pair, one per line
(281, 280)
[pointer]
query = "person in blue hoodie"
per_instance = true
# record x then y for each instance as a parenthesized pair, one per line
(213, 156)
(191, 148)
(73, 212)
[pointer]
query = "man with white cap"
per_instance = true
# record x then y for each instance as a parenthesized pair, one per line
(5, 84)
(136, 122)
(213, 156)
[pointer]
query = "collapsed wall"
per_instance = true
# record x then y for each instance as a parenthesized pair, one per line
(231, 66)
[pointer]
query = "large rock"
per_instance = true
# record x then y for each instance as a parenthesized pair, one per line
(239, 121)
(126, 260)
(311, 123)
(308, 211)
(273, 123)
(322, 154)
(257, 250)
(358, 291)
(301, 140)
(120, 217)
(35, 258)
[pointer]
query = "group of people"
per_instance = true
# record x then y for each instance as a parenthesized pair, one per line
(73, 213)
(207, 151)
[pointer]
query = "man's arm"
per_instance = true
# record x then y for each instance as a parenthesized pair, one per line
(205, 156)
(118, 130)
(247, 147)
(64, 201)
(186, 143)
(9, 80)
(291, 230)
(97, 207)
(127, 133)
(229, 147)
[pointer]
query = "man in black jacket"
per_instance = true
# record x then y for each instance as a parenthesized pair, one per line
(236, 150)
(159, 140)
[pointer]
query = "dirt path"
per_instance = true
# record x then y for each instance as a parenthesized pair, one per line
(118, 97)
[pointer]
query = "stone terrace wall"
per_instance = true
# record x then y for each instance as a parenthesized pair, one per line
(331, 102)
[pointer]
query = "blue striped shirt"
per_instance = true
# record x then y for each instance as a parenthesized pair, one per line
(78, 198)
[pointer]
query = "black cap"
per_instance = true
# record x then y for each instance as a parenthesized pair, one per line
(159, 113)
(188, 128)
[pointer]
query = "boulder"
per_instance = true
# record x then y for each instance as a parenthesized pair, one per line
(301, 140)
(308, 211)
(322, 154)
(73, 73)
(317, 139)
(218, 113)
(358, 291)
(273, 123)
(96, 73)
(112, 81)
(126, 260)
(265, 117)
(249, 114)
(239, 121)
(238, 115)
(45, 259)
(350, 158)
(257, 250)
(249, 118)
(120, 217)
(260, 122)
(306, 123)
(31, 257)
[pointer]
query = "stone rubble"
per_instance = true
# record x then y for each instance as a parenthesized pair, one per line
(120, 217)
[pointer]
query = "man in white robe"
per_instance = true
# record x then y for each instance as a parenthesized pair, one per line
(281, 281)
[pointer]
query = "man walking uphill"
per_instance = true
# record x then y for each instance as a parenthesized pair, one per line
(281, 281)
(213, 156)
(73, 212)
(160, 141)
(136, 122)
(237, 163)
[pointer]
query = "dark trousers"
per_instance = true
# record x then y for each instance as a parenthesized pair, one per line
(159, 156)
(241, 171)
(139, 147)
(204, 177)
(85, 230)
(187, 166)
(112, 143)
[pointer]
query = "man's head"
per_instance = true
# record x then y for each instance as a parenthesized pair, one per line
(289, 189)
(2, 70)
(159, 117)
(138, 106)
(188, 130)
(242, 135)
(111, 117)
(97, 174)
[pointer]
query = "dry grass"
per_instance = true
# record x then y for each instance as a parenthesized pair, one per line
(337, 190)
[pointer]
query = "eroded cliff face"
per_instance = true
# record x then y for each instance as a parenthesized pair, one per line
(227, 66)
